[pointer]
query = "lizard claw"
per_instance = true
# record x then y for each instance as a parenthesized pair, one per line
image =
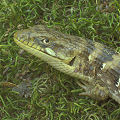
(81, 85)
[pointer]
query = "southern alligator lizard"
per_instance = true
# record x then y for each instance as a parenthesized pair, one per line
(96, 66)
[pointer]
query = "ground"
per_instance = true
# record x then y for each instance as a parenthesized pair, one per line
(46, 93)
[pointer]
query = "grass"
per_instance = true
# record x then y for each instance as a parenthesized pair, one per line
(53, 95)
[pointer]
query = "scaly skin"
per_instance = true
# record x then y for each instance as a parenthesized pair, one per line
(96, 66)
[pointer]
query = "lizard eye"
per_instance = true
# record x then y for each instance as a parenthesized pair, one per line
(46, 41)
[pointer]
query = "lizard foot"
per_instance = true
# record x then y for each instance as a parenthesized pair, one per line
(95, 91)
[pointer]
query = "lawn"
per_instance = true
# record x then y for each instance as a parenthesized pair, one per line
(43, 93)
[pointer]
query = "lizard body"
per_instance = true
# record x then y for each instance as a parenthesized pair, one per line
(97, 66)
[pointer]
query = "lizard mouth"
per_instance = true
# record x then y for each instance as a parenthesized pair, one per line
(35, 50)
(55, 62)
(38, 50)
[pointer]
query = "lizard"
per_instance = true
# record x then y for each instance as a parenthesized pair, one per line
(96, 66)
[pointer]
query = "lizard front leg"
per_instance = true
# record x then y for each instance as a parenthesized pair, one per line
(95, 90)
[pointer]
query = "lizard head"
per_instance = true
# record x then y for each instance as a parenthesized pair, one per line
(51, 46)
(46, 40)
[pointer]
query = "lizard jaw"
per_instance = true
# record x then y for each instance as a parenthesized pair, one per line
(55, 62)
